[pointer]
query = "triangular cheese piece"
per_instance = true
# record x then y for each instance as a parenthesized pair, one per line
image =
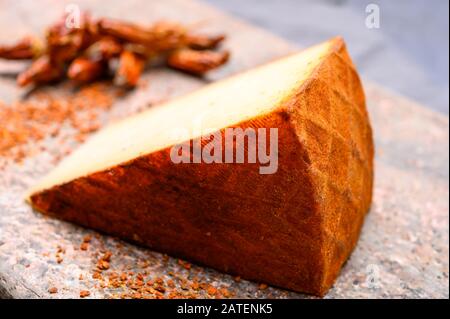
(293, 228)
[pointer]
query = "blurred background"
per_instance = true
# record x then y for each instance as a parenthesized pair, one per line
(408, 53)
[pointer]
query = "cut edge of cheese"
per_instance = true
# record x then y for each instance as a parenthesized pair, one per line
(222, 104)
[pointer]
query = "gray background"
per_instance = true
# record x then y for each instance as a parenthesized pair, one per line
(409, 53)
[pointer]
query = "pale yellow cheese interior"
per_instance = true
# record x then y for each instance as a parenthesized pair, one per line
(219, 105)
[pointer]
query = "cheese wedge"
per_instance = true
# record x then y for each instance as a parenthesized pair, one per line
(293, 228)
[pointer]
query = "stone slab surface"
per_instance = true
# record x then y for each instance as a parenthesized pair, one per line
(403, 251)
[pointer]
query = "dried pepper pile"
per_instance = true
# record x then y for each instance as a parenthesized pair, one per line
(104, 47)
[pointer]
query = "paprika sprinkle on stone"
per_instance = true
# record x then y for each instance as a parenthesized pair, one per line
(43, 114)
(53, 290)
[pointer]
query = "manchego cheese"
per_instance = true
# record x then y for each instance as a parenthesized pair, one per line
(293, 227)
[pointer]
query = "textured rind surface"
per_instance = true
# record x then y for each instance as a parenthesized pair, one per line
(293, 229)
(332, 123)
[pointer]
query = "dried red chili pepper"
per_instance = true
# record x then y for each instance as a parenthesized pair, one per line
(203, 42)
(84, 70)
(162, 36)
(105, 48)
(197, 62)
(65, 43)
(25, 49)
(129, 70)
(86, 50)
(41, 71)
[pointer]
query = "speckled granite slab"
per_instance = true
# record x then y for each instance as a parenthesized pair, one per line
(403, 251)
